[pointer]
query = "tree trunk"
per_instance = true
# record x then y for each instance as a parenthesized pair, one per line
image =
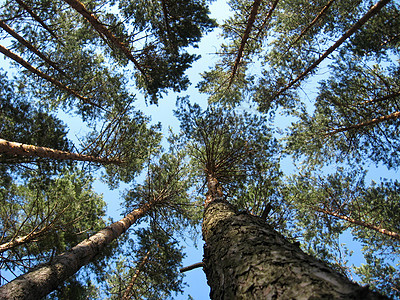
(372, 12)
(319, 16)
(45, 278)
(12, 148)
(139, 268)
(380, 119)
(267, 18)
(39, 73)
(100, 28)
(246, 34)
(244, 258)
(390, 233)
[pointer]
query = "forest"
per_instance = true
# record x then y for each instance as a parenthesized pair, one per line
(287, 171)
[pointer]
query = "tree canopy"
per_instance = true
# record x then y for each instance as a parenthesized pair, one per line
(298, 103)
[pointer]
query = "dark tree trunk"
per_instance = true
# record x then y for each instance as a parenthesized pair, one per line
(245, 258)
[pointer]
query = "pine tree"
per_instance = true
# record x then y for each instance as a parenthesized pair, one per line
(259, 262)
(257, 222)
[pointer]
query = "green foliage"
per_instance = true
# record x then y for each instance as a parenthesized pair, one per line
(159, 277)
(127, 137)
(346, 194)
(167, 185)
(360, 84)
(348, 98)
(381, 276)
(167, 26)
(233, 147)
(170, 26)
(22, 122)
(65, 212)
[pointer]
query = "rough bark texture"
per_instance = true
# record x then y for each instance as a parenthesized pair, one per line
(244, 258)
(13, 148)
(46, 278)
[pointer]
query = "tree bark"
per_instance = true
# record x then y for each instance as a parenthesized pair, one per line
(12, 148)
(100, 28)
(36, 18)
(319, 16)
(390, 233)
(139, 268)
(45, 278)
(244, 258)
(380, 119)
(50, 79)
(372, 12)
(245, 37)
(33, 49)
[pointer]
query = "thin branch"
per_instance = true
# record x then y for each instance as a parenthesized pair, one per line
(36, 17)
(191, 267)
(390, 233)
(28, 45)
(319, 16)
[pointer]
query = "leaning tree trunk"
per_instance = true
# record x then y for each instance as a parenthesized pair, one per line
(245, 258)
(372, 12)
(376, 228)
(45, 278)
(135, 276)
(18, 149)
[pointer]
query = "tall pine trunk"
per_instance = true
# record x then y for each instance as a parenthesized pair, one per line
(12, 148)
(45, 278)
(102, 30)
(128, 291)
(245, 258)
(379, 229)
